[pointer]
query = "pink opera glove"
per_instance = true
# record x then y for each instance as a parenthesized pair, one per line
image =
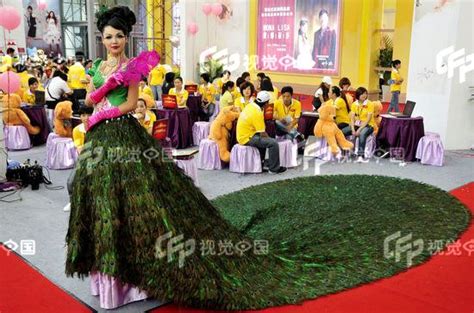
(112, 82)
(103, 115)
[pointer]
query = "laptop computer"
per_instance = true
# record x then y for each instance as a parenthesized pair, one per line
(40, 98)
(407, 111)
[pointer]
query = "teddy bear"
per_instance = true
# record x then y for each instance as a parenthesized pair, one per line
(220, 128)
(62, 119)
(13, 115)
(377, 118)
(326, 127)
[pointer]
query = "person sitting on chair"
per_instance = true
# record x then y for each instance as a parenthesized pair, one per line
(29, 95)
(287, 113)
(251, 132)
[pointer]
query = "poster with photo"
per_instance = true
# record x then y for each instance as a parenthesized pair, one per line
(299, 36)
(43, 26)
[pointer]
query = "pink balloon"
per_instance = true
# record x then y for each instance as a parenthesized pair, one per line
(42, 5)
(217, 9)
(207, 8)
(11, 86)
(11, 18)
(193, 28)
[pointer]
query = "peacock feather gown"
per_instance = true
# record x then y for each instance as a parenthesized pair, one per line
(124, 199)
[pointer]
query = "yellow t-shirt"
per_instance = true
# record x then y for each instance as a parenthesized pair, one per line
(76, 74)
(273, 97)
(342, 116)
(28, 97)
(281, 111)
(157, 75)
(79, 135)
(395, 76)
(241, 103)
(276, 91)
(251, 121)
(7, 62)
(24, 77)
(361, 111)
(208, 91)
(148, 121)
(236, 93)
(180, 96)
(147, 91)
(226, 100)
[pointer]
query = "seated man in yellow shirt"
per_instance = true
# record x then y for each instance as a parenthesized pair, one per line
(208, 93)
(362, 122)
(143, 88)
(77, 78)
(180, 93)
(251, 132)
(146, 118)
(79, 132)
(29, 95)
(287, 113)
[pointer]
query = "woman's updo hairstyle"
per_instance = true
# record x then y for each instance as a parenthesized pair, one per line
(120, 17)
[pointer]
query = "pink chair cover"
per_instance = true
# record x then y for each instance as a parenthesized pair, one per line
(112, 292)
(430, 150)
(17, 137)
(60, 152)
(321, 150)
(209, 158)
(288, 153)
(200, 132)
(190, 168)
(245, 159)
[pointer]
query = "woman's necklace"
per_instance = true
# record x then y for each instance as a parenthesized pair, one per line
(113, 64)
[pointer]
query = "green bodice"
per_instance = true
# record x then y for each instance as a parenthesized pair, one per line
(117, 96)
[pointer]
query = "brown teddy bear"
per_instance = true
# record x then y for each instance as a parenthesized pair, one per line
(326, 127)
(62, 119)
(13, 115)
(377, 118)
(220, 130)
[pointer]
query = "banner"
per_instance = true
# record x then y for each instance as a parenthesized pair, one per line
(43, 26)
(299, 36)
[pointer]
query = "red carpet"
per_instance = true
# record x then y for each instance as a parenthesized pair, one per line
(25, 290)
(444, 284)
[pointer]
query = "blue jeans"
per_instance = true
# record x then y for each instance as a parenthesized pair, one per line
(364, 134)
(157, 92)
(394, 102)
(262, 144)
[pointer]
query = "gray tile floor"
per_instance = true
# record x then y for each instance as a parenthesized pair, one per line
(39, 214)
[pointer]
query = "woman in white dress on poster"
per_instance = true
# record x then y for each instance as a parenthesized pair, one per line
(52, 36)
(304, 60)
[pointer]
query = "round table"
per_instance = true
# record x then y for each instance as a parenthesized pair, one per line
(306, 125)
(179, 126)
(194, 103)
(37, 116)
(403, 133)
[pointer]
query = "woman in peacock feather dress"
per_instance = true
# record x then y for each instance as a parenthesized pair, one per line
(139, 220)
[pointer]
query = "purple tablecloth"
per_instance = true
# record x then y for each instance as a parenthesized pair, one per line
(193, 104)
(306, 125)
(37, 116)
(179, 128)
(401, 133)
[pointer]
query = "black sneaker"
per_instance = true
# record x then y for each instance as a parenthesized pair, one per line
(282, 169)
